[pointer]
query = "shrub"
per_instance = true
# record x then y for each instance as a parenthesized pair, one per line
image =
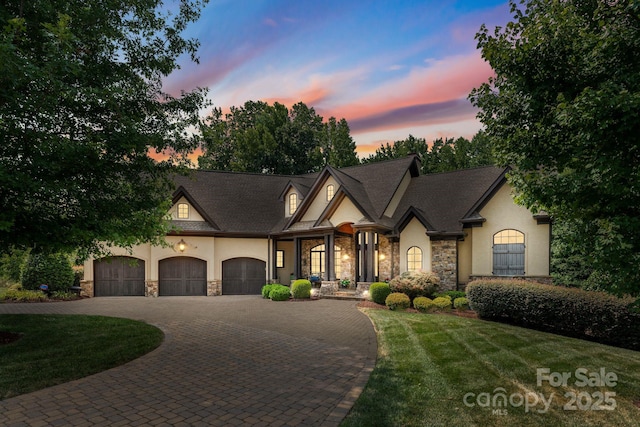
(452, 294)
(12, 264)
(266, 289)
(415, 284)
(53, 270)
(423, 304)
(279, 293)
(379, 291)
(20, 295)
(301, 288)
(64, 296)
(397, 301)
(461, 303)
(596, 316)
(442, 303)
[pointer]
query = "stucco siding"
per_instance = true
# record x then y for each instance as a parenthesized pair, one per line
(464, 257)
(414, 234)
(347, 212)
(395, 200)
(320, 202)
(502, 213)
(193, 214)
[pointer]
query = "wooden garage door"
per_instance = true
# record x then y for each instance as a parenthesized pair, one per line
(243, 276)
(182, 276)
(118, 276)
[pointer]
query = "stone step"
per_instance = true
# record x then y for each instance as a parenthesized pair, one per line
(345, 296)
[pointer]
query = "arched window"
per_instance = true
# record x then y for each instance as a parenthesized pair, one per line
(414, 258)
(183, 211)
(293, 203)
(330, 192)
(508, 253)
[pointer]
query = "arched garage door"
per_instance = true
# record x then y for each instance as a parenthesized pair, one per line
(243, 276)
(118, 276)
(182, 276)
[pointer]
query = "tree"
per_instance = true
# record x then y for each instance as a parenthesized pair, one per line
(263, 138)
(81, 106)
(339, 149)
(444, 155)
(562, 110)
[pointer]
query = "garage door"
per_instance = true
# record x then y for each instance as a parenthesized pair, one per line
(243, 276)
(118, 276)
(182, 276)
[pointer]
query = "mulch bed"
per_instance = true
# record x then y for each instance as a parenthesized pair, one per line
(468, 313)
(8, 337)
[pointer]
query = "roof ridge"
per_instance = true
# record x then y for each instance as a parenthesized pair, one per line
(464, 170)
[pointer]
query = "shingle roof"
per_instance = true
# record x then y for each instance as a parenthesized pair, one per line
(444, 199)
(251, 204)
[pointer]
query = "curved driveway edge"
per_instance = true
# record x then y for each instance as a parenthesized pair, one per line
(230, 360)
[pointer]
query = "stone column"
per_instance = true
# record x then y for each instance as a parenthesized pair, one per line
(444, 256)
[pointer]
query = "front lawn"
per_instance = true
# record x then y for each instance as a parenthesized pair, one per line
(440, 370)
(54, 349)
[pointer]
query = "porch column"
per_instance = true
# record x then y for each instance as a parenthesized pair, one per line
(274, 259)
(297, 260)
(329, 257)
(370, 253)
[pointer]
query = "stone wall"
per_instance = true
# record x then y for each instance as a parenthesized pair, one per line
(86, 288)
(307, 244)
(385, 258)
(347, 260)
(444, 263)
(214, 288)
(151, 288)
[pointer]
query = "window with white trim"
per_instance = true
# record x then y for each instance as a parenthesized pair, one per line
(330, 192)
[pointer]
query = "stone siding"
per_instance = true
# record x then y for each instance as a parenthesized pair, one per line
(385, 258)
(86, 288)
(151, 288)
(214, 288)
(444, 263)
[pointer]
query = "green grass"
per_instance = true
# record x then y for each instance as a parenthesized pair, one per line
(427, 363)
(55, 349)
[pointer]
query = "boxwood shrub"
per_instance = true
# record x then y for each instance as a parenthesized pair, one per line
(595, 316)
(301, 288)
(279, 293)
(397, 301)
(442, 303)
(423, 304)
(461, 303)
(266, 289)
(379, 291)
(452, 294)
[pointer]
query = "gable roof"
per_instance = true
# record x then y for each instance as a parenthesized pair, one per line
(445, 199)
(253, 205)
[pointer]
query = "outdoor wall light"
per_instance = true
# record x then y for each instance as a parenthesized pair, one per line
(182, 245)
(382, 256)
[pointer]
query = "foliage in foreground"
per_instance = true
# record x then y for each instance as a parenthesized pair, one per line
(379, 291)
(596, 316)
(427, 364)
(397, 301)
(82, 105)
(562, 110)
(301, 289)
(53, 270)
(48, 351)
(279, 293)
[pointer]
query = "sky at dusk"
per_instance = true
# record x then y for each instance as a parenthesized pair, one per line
(390, 68)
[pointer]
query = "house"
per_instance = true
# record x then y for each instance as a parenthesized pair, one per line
(234, 232)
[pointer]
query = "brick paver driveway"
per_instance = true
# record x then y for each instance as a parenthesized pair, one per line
(231, 360)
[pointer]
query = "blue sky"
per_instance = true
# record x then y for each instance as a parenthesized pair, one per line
(391, 68)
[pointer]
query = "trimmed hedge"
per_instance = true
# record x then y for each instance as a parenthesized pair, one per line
(423, 304)
(279, 293)
(452, 294)
(379, 291)
(301, 288)
(397, 301)
(595, 316)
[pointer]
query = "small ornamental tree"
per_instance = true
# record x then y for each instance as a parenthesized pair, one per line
(415, 284)
(53, 270)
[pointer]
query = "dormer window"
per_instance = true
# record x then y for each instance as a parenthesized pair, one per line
(293, 203)
(183, 211)
(330, 192)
